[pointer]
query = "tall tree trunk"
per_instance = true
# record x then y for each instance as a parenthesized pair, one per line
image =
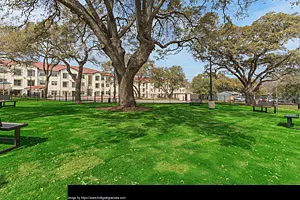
(126, 91)
(46, 87)
(77, 80)
(249, 97)
(78, 90)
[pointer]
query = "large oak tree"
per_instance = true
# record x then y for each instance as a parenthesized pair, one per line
(255, 54)
(146, 23)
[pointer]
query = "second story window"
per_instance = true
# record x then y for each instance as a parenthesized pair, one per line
(83, 76)
(17, 82)
(65, 84)
(107, 85)
(97, 85)
(54, 74)
(65, 75)
(53, 82)
(73, 84)
(30, 72)
(97, 78)
(30, 83)
(42, 82)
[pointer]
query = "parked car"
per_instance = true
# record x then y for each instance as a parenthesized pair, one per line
(239, 99)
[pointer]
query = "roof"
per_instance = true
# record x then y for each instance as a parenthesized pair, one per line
(57, 68)
(36, 87)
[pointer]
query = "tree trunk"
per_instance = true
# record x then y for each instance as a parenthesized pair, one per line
(46, 87)
(249, 97)
(126, 91)
(78, 91)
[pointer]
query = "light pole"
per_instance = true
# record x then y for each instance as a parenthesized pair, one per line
(211, 103)
(114, 87)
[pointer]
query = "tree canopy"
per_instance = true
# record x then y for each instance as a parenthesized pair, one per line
(254, 54)
(135, 27)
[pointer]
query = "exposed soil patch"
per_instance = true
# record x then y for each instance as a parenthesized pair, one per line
(120, 109)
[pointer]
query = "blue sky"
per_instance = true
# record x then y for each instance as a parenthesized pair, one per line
(192, 67)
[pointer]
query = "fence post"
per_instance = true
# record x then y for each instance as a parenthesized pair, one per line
(66, 96)
(94, 97)
(102, 96)
(55, 96)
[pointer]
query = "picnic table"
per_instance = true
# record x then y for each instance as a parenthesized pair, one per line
(8, 126)
(289, 118)
(6, 98)
(196, 102)
(264, 106)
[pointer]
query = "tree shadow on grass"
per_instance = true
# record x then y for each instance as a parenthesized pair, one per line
(3, 181)
(30, 112)
(165, 118)
(25, 141)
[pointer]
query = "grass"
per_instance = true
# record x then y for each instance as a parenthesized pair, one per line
(170, 144)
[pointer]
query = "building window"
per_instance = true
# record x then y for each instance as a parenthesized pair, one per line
(97, 78)
(102, 78)
(53, 92)
(107, 84)
(42, 73)
(97, 85)
(107, 92)
(102, 84)
(98, 93)
(83, 76)
(73, 84)
(3, 80)
(17, 82)
(30, 83)
(82, 84)
(65, 75)
(65, 84)
(42, 82)
(54, 74)
(18, 72)
(53, 82)
(30, 72)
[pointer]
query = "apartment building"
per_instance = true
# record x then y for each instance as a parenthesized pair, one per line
(23, 80)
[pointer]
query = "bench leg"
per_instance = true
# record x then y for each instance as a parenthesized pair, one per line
(17, 137)
(289, 122)
(266, 110)
(14, 104)
(1, 105)
(253, 108)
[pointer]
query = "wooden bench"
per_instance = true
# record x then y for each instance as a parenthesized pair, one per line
(196, 102)
(264, 106)
(8, 126)
(289, 118)
(6, 98)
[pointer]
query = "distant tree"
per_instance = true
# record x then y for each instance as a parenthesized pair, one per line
(224, 83)
(168, 79)
(200, 85)
(254, 54)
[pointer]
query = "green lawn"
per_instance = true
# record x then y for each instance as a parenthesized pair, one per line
(170, 144)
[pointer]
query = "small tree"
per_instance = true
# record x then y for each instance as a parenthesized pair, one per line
(168, 79)
(200, 85)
